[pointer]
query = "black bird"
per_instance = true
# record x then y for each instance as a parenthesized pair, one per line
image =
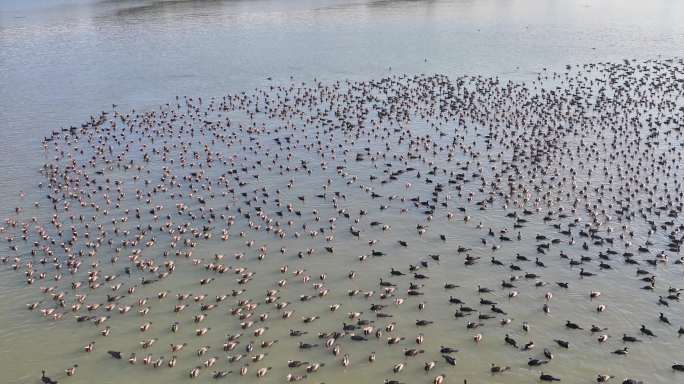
(221, 374)
(662, 301)
(664, 319)
(646, 331)
(47, 380)
(449, 359)
(484, 289)
(572, 325)
(546, 377)
(622, 351)
(630, 339)
(536, 362)
(509, 340)
(583, 273)
(445, 350)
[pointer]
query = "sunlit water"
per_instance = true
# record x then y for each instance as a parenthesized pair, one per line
(60, 63)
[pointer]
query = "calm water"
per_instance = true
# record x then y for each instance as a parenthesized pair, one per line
(61, 62)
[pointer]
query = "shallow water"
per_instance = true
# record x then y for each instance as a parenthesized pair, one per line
(62, 62)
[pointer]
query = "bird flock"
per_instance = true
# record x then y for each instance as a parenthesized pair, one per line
(395, 227)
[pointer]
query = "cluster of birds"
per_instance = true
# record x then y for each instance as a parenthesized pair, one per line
(592, 154)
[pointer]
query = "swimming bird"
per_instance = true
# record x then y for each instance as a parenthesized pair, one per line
(546, 377)
(47, 380)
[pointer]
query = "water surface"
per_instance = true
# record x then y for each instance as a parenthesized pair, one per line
(61, 62)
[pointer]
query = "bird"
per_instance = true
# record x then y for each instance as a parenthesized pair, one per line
(47, 380)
